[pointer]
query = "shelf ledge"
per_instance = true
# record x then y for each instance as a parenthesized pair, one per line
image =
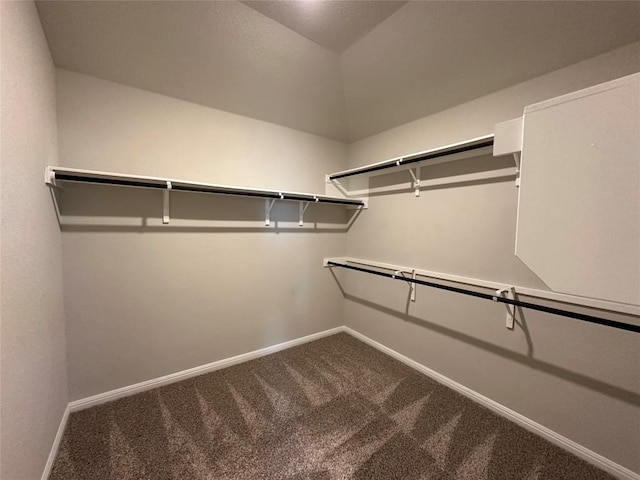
(478, 143)
(53, 175)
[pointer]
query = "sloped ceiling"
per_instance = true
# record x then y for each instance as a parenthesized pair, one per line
(378, 66)
(430, 56)
(220, 54)
(334, 25)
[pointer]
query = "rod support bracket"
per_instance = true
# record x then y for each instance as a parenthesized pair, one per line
(517, 158)
(413, 286)
(302, 207)
(510, 293)
(268, 205)
(166, 204)
(416, 180)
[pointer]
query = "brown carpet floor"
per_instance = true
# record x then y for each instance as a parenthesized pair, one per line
(331, 409)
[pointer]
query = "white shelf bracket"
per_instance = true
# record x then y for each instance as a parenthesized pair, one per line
(511, 309)
(413, 286)
(268, 205)
(516, 158)
(302, 207)
(166, 204)
(416, 180)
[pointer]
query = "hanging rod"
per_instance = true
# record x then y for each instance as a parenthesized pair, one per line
(54, 174)
(462, 147)
(517, 303)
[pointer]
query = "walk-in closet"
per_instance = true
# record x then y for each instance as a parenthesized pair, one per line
(320, 240)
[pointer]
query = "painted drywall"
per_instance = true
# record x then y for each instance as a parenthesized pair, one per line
(220, 54)
(430, 56)
(145, 299)
(246, 57)
(579, 380)
(32, 331)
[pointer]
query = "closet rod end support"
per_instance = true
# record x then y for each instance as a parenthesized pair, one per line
(50, 177)
(325, 261)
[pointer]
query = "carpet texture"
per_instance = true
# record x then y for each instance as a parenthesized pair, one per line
(331, 409)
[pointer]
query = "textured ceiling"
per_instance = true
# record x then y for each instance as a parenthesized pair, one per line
(335, 24)
(430, 56)
(281, 65)
(221, 54)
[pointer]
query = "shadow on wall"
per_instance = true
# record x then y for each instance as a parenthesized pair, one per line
(97, 208)
(527, 359)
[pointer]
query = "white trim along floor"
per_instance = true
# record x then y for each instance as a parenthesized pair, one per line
(555, 438)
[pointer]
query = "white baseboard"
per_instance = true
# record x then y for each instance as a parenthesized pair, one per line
(56, 444)
(111, 395)
(563, 442)
(555, 438)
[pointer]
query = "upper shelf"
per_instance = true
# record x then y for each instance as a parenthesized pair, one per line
(54, 174)
(448, 150)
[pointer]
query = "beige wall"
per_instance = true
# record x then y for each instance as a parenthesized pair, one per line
(579, 380)
(34, 377)
(145, 300)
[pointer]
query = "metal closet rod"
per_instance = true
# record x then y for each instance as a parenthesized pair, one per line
(415, 159)
(518, 303)
(219, 190)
